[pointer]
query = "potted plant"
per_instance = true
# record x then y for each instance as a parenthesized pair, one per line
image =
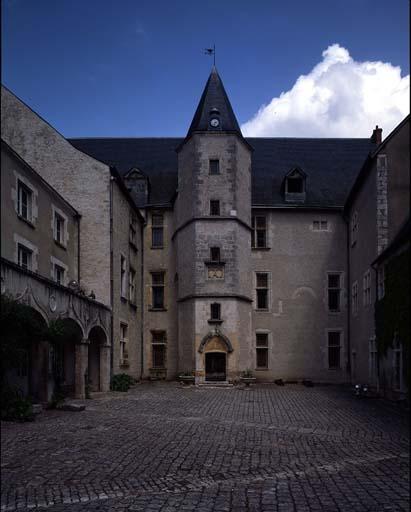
(186, 378)
(247, 377)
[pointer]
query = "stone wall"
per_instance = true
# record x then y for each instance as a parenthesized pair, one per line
(81, 180)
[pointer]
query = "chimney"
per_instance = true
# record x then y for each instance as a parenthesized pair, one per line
(376, 136)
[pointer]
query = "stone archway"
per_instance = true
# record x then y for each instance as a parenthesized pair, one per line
(214, 350)
(96, 358)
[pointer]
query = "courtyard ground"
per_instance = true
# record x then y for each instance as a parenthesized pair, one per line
(164, 447)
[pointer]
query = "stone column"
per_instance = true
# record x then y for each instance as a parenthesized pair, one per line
(81, 364)
(104, 367)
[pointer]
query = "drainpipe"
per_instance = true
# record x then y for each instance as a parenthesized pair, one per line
(142, 225)
(111, 277)
(378, 352)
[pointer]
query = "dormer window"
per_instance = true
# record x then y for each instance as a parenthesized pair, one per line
(295, 186)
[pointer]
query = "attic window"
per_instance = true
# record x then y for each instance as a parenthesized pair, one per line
(295, 186)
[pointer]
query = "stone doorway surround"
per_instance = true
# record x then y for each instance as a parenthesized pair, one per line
(212, 358)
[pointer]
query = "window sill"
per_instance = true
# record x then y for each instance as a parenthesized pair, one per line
(262, 369)
(124, 364)
(214, 263)
(260, 310)
(214, 321)
(27, 221)
(157, 309)
(155, 247)
(334, 312)
(60, 244)
(261, 248)
(132, 304)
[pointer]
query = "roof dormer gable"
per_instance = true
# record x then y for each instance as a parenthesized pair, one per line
(295, 185)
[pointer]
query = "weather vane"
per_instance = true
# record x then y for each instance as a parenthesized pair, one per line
(210, 51)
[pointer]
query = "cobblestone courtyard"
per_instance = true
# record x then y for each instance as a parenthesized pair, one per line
(162, 447)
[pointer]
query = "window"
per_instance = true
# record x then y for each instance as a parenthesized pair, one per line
(373, 368)
(59, 228)
(215, 311)
(24, 201)
(295, 185)
(259, 231)
(381, 282)
(215, 254)
(59, 273)
(354, 228)
(133, 230)
(320, 225)
(334, 292)
(132, 285)
(354, 298)
(214, 166)
(214, 207)
(123, 343)
(366, 288)
(261, 350)
(159, 349)
(25, 257)
(123, 276)
(157, 279)
(334, 350)
(157, 231)
(262, 290)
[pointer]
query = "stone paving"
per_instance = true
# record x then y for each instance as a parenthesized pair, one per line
(170, 448)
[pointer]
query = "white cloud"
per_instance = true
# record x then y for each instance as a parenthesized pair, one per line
(338, 98)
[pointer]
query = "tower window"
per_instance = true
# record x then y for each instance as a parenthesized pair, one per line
(214, 166)
(215, 254)
(215, 311)
(157, 279)
(214, 207)
(159, 349)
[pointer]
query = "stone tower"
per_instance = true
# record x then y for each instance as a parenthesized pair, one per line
(212, 241)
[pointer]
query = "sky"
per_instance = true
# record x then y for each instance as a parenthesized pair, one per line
(136, 68)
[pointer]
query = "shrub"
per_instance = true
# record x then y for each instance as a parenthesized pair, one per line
(121, 382)
(14, 406)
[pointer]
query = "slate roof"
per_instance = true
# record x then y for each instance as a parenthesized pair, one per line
(214, 97)
(331, 165)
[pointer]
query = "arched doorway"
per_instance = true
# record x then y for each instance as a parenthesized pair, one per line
(64, 365)
(97, 338)
(215, 366)
(215, 348)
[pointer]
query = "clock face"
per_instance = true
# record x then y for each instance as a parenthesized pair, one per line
(214, 122)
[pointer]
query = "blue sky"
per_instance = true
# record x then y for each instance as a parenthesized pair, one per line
(137, 68)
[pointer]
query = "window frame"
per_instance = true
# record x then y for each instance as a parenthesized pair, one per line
(262, 345)
(123, 277)
(123, 354)
(215, 210)
(258, 230)
(337, 289)
(157, 229)
(354, 298)
(334, 346)
(59, 269)
(23, 187)
(262, 288)
(211, 164)
(132, 285)
(215, 311)
(160, 286)
(21, 249)
(161, 342)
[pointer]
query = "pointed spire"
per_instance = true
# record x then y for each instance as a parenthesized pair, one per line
(214, 103)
